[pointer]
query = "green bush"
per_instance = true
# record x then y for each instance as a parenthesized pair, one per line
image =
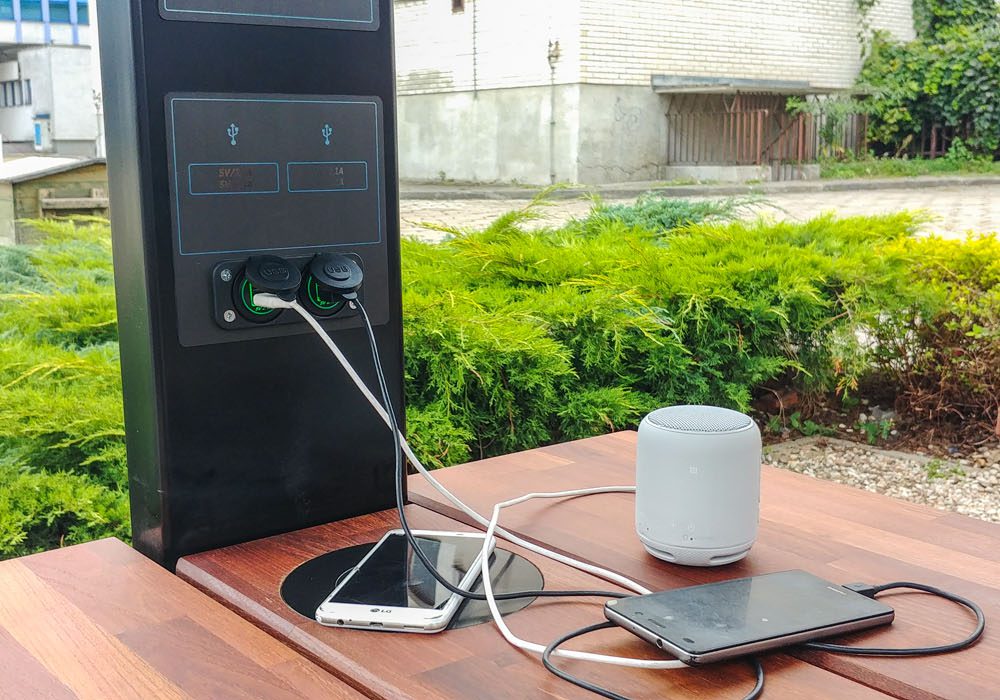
(517, 337)
(62, 459)
(950, 77)
(657, 213)
(935, 17)
(937, 340)
(844, 168)
(520, 337)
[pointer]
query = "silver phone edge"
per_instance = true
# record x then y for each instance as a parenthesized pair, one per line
(744, 649)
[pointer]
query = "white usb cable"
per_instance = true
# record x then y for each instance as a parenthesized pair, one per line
(273, 302)
(539, 648)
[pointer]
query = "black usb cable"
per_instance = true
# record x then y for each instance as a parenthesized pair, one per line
(863, 589)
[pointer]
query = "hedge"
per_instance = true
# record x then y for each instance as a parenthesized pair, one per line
(519, 336)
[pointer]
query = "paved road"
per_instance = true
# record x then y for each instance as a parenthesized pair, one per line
(956, 210)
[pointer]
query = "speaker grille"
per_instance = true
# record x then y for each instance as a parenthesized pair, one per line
(699, 419)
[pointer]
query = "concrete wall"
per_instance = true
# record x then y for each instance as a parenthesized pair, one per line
(489, 136)
(621, 134)
(603, 133)
(74, 115)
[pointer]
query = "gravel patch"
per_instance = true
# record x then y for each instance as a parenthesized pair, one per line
(969, 486)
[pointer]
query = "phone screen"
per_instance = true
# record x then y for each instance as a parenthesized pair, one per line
(394, 576)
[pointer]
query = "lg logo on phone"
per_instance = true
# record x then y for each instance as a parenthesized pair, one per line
(380, 610)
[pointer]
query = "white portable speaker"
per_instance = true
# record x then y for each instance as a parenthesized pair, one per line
(698, 484)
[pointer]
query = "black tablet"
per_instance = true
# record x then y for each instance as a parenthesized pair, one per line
(718, 621)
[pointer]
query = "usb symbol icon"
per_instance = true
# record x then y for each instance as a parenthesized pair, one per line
(327, 133)
(233, 132)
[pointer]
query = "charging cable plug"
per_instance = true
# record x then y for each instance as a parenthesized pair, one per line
(865, 589)
(271, 301)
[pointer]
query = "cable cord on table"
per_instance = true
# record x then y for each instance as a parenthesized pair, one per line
(495, 610)
(486, 577)
(913, 651)
(271, 301)
(553, 648)
(400, 476)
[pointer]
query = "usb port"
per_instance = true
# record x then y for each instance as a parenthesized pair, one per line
(374, 624)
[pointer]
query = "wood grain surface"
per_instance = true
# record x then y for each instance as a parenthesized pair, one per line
(475, 662)
(101, 621)
(834, 531)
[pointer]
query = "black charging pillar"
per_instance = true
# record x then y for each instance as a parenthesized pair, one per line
(238, 129)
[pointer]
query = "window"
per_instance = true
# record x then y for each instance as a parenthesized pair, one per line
(59, 11)
(31, 10)
(15, 93)
(458, 6)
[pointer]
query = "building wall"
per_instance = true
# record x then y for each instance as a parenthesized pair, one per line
(489, 136)
(626, 41)
(16, 123)
(621, 134)
(438, 51)
(473, 85)
(62, 87)
(74, 115)
(34, 33)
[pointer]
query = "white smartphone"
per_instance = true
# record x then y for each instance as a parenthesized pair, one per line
(391, 589)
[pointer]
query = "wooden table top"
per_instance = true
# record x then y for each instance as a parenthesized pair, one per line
(101, 621)
(834, 531)
(473, 662)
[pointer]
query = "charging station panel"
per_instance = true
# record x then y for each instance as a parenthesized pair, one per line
(287, 175)
(240, 131)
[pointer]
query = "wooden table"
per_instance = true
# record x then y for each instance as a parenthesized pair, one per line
(834, 531)
(101, 621)
(474, 663)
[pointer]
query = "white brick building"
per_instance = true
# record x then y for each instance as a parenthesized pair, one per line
(479, 101)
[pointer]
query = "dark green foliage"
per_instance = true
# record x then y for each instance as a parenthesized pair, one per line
(17, 272)
(935, 17)
(657, 213)
(949, 77)
(62, 459)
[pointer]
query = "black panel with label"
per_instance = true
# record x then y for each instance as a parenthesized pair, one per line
(278, 174)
